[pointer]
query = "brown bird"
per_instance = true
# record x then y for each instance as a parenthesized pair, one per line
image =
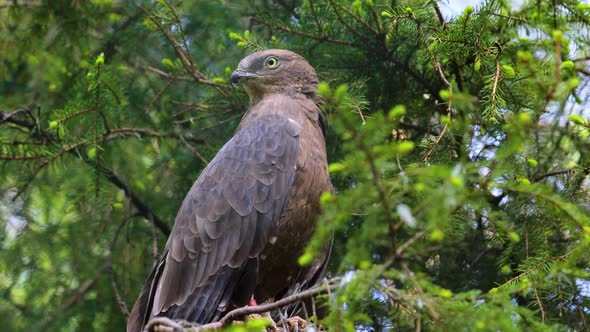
(253, 209)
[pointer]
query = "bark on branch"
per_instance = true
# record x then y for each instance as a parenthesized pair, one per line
(183, 326)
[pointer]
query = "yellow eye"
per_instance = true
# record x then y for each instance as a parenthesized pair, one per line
(271, 62)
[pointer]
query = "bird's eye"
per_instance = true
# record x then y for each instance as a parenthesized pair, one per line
(271, 62)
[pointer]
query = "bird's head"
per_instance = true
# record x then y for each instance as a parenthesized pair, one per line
(275, 71)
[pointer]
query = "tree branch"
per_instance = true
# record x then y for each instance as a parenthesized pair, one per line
(328, 286)
(303, 34)
(143, 209)
(120, 301)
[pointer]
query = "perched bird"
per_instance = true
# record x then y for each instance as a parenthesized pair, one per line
(250, 214)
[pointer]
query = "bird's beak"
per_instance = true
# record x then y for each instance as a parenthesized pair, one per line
(239, 74)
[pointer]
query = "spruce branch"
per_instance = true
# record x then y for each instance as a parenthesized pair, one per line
(159, 94)
(143, 209)
(180, 30)
(73, 150)
(13, 118)
(325, 287)
(356, 18)
(118, 297)
(74, 296)
(347, 25)
(522, 275)
(168, 75)
(539, 178)
(19, 3)
(439, 69)
(319, 38)
(185, 57)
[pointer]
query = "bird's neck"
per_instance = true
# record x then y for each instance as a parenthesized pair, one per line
(298, 107)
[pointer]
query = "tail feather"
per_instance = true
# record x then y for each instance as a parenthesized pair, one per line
(206, 304)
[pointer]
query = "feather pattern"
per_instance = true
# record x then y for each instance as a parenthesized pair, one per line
(251, 212)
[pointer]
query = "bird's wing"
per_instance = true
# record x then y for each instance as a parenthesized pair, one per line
(226, 218)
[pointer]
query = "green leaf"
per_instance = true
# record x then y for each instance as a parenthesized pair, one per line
(508, 71)
(168, 63)
(92, 153)
(577, 119)
(99, 60)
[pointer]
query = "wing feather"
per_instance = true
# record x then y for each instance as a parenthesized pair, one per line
(226, 218)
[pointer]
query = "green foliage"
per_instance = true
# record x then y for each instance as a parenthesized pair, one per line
(459, 151)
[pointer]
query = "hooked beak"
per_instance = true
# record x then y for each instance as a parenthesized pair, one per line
(239, 74)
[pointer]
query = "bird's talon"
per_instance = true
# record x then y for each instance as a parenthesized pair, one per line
(163, 324)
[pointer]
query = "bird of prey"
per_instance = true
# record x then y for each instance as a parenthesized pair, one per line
(250, 214)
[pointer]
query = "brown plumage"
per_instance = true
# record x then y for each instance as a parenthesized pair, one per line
(253, 209)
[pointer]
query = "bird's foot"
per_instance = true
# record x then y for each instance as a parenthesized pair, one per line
(272, 326)
(296, 324)
(162, 324)
(252, 302)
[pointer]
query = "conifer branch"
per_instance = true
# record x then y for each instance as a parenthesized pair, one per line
(356, 18)
(180, 30)
(235, 314)
(118, 297)
(534, 268)
(115, 133)
(560, 172)
(75, 296)
(143, 209)
(17, 3)
(346, 24)
(439, 69)
(536, 291)
(13, 118)
(168, 75)
(158, 95)
(303, 34)
(185, 57)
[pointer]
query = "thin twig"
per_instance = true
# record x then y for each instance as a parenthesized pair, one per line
(438, 68)
(358, 19)
(400, 250)
(120, 301)
(540, 305)
(182, 35)
(523, 274)
(10, 117)
(303, 34)
(346, 24)
(168, 75)
(244, 311)
(158, 95)
(75, 296)
(510, 17)
(233, 117)
(185, 58)
(17, 3)
(197, 153)
(358, 109)
(435, 316)
(439, 15)
(560, 172)
(496, 78)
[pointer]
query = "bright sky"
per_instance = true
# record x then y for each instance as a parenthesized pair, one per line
(451, 8)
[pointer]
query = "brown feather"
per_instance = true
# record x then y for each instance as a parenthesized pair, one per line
(250, 214)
